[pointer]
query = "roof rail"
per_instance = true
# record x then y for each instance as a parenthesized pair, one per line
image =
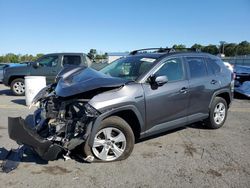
(166, 50)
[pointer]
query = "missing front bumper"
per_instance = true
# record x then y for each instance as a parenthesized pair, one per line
(22, 133)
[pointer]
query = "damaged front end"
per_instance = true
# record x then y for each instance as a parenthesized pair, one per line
(59, 126)
(64, 118)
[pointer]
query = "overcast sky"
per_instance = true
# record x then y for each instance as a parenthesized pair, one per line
(48, 26)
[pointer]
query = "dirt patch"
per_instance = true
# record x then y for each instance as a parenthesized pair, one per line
(36, 172)
(157, 144)
(53, 170)
(26, 165)
(214, 173)
(79, 169)
(11, 183)
(189, 149)
(183, 174)
(234, 168)
(148, 155)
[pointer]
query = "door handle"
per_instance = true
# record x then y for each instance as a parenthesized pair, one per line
(213, 81)
(183, 90)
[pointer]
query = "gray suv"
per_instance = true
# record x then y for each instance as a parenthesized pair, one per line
(102, 113)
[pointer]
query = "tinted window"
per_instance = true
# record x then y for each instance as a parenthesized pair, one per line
(71, 60)
(197, 67)
(172, 68)
(48, 61)
(212, 66)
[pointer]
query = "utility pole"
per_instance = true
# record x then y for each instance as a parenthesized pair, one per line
(222, 43)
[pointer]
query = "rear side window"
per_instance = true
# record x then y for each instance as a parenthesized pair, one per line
(212, 66)
(197, 67)
(71, 60)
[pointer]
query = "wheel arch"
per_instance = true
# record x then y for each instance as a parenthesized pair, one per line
(225, 94)
(15, 77)
(129, 113)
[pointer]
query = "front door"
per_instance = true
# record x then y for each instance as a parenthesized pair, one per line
(47, 66)
(166, 105)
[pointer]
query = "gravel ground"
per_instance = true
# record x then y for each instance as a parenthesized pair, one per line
(188, 157)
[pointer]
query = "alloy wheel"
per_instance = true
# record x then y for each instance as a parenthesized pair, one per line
(219, 113)
(19, 87)
(109, 144)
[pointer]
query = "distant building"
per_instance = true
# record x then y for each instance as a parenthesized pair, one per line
(115, 55)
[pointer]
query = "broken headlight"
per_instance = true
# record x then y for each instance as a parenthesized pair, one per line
(91, 111)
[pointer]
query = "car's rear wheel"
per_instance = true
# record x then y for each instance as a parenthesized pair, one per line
(113, 141)
(18, 87)
(217, 114)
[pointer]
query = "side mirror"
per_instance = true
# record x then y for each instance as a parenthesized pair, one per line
(161, 80)
(151, 79)
(157, 81)
(35, 65)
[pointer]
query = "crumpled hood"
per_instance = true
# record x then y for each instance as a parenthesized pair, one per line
(83, 80)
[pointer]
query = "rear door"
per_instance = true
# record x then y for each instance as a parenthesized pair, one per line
(166, 106)
(202, 84)
(48, 66)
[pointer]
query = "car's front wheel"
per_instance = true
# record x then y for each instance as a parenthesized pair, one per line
(113, 141)
(18, 87)
(217, 114)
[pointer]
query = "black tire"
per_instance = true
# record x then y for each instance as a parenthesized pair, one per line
(210, 121)
(14, 89)
(123, 126)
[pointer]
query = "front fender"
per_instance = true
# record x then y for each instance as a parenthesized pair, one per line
(104, 115)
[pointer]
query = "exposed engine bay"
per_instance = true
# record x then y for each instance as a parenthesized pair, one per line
(61, 125)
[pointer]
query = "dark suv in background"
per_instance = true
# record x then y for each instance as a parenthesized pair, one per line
(48, 65)
(148, 92)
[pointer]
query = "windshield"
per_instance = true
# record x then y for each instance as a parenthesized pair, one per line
(129, 68)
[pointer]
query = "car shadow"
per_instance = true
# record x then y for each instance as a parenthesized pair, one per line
(198, 125)
(28, 155)
(159, 135)
(31, 157)
(6, 92)
(240, 96)
(19, 101)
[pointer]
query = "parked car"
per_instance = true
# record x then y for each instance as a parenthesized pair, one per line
(48, 65)
(242, 80)
(5, 65)
(102, 113)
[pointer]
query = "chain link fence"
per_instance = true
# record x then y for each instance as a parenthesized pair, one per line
(238, 60)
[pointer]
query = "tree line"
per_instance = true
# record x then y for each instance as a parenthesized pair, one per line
(18, 58)
(229, 49)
